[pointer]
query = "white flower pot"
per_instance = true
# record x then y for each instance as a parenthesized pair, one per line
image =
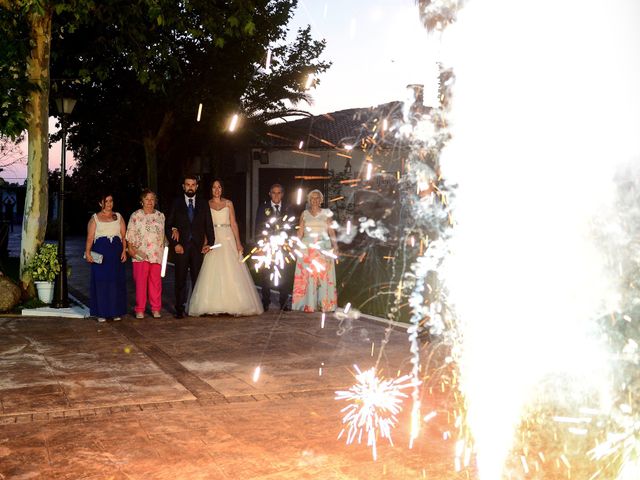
(45, 291)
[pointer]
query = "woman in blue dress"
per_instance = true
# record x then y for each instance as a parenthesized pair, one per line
(105, 236)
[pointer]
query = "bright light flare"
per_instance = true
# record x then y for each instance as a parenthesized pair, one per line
(299, 197)
(277, 247)
(519, 125)
(309, 82)
(199, 112)
(374, 404)
(256, 374)
(369, 171)
(165, 257)
(234, 122)
(267, 63)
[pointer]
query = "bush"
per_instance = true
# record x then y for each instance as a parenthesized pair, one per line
(44, 265)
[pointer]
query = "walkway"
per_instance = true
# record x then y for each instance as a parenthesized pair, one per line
(176, 399)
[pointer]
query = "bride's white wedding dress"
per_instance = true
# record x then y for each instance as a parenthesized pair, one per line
(224, 284)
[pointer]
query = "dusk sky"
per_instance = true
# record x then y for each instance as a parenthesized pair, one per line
(377, 48)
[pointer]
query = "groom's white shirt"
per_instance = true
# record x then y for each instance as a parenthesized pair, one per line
(186, 200)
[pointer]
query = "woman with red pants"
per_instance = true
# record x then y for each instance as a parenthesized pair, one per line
(146, 240)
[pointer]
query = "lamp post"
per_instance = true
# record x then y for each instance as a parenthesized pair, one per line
(60, 292)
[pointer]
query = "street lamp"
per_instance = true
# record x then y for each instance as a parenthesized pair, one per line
(60, 292)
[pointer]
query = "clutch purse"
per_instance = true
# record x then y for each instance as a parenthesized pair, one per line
(97, 257)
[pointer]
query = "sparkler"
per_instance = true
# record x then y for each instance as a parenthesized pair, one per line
(277, 247)
(234, 122)
(199, 112)
(267, 65)
(375, 402)
(369, 171)
(309, 81)
(165, 256)
(299, 197)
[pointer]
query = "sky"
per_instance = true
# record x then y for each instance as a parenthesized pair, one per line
(377, 48)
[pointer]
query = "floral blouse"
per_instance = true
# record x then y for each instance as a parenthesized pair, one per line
(146, 233)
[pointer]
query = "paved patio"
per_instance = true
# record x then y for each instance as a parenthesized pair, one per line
(175, 399)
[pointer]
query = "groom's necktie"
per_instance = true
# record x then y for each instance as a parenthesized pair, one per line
(190, 210)
(277, 207)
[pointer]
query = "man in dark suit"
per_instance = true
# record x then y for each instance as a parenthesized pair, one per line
(274, 207)
(189, 229)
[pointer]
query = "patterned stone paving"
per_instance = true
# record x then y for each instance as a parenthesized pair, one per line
(175, 399)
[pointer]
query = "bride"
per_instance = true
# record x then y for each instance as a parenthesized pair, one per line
(224, 284)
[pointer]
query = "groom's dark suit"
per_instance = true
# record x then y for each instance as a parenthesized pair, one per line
(193, 234)
(263, 215)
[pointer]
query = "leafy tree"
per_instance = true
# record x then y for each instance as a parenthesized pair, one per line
(25, 43)
(140, 67)
(142, 78)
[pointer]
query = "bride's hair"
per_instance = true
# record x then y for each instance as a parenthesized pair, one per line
(214, 181)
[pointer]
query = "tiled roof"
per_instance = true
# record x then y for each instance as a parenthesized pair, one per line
(330, 130)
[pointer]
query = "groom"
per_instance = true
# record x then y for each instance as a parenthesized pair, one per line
(188, 228)
(274, 207)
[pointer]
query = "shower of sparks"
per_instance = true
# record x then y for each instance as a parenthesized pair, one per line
(369, 171)
(256, 374)
(199, 112)
(575, 329)
(277, 247)
(165, 256)
(374, 404)
(234, 122)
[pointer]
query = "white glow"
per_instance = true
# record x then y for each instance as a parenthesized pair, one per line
(299, 197)
(199, 112)
(267, 65)
(165, 256)
(353, 28)
(309, 82)
(234, 122)
(256, 374)
(301, 144)
(322, 320)
(534, 120)
(369, 171)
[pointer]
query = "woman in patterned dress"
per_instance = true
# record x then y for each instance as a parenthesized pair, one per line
(314, 284)
(146, 240)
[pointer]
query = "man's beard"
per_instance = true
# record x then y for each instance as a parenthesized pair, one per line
(190, 193)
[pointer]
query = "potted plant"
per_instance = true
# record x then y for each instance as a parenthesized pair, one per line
(44, 268)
